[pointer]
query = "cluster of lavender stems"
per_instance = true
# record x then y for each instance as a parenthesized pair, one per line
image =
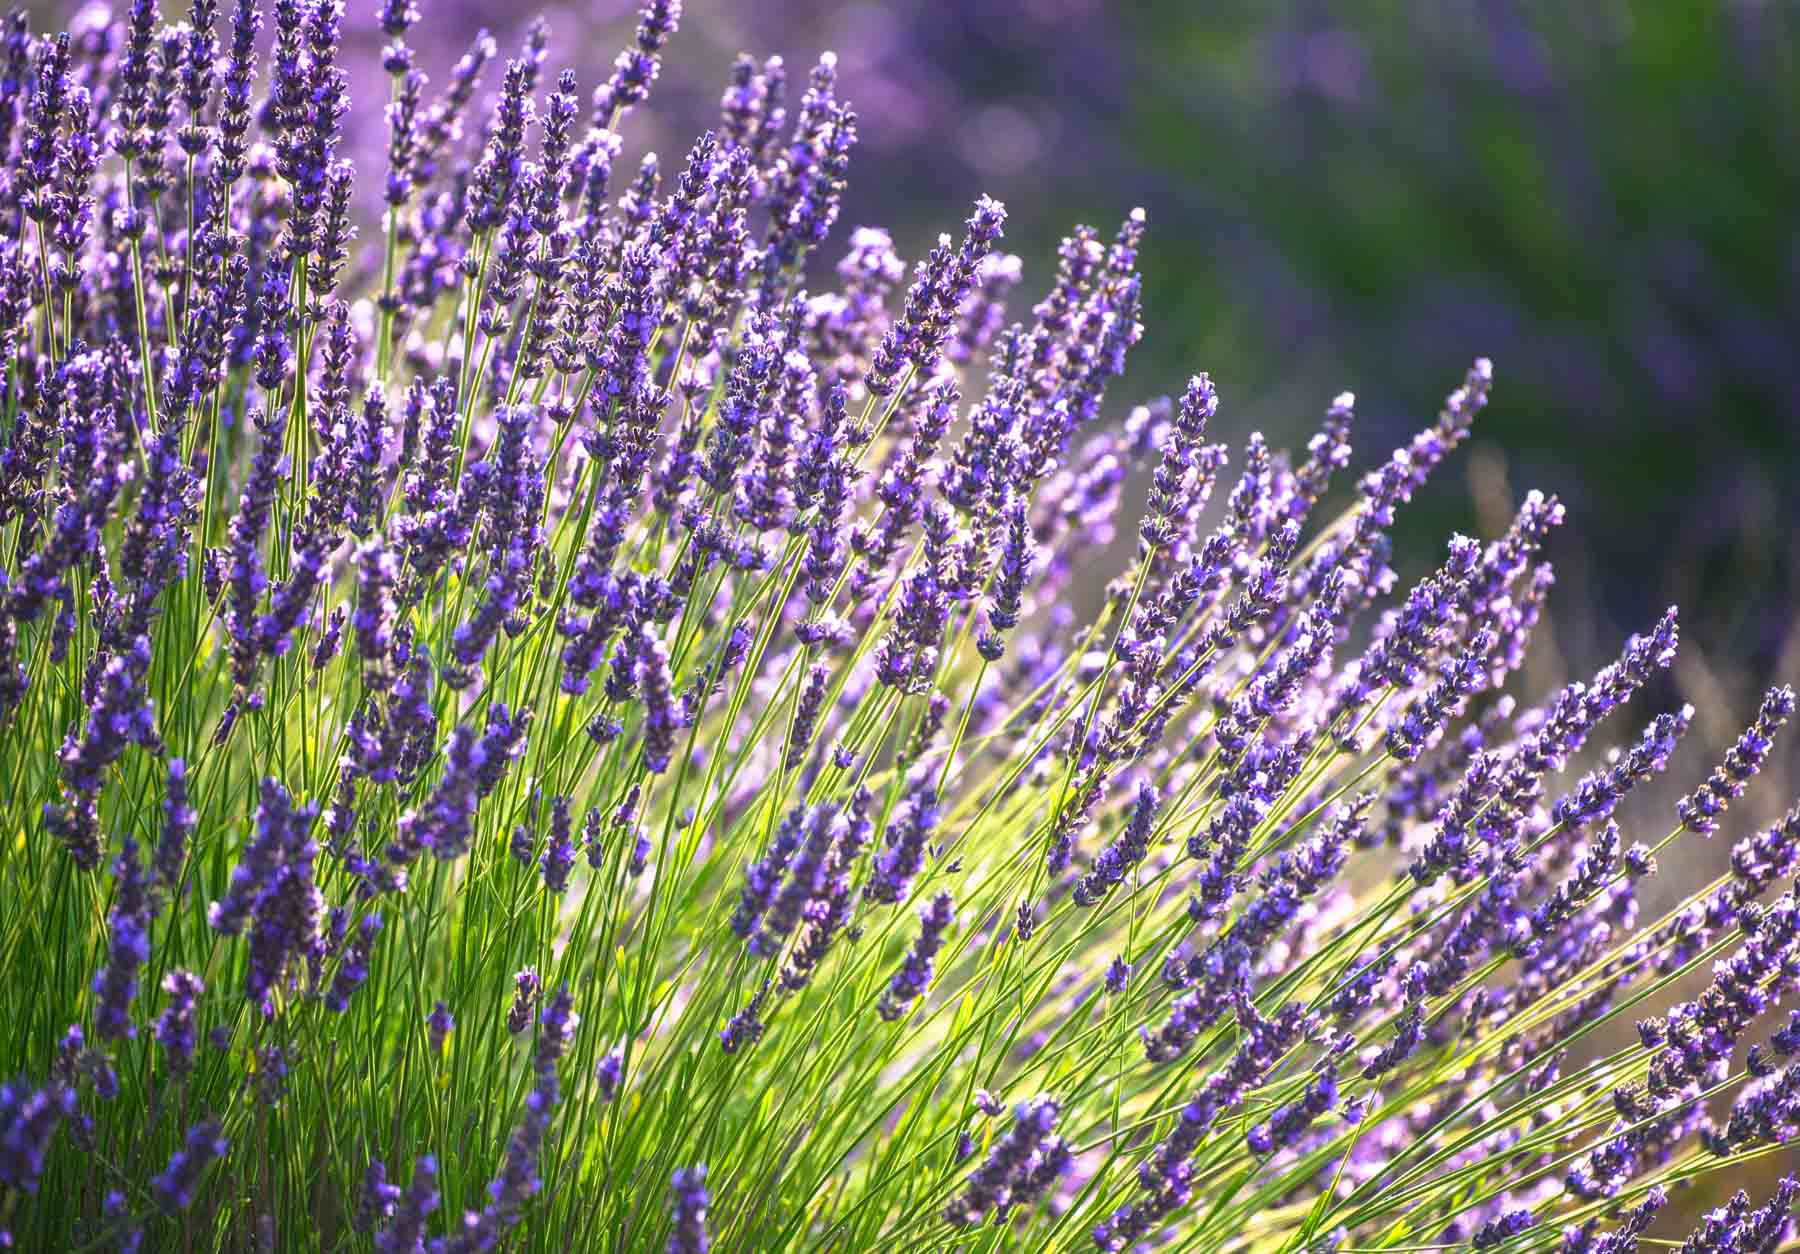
(541, 708)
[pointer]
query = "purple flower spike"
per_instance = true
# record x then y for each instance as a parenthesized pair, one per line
(525, 993)
(1114, 863)
(746, 1026)
(438, 1026)
(174, 1028)
(1500, 1229)
(1019, 1167)
(609, 1072)
(178, 826)
(379, 1200)
(910, 981)
(1700, 810)
(689, 1200)
(28, 1120)
(128, 947)
(559, 851)
(899, 862)
(174, 1188)
(406, 1233)
(353, 971)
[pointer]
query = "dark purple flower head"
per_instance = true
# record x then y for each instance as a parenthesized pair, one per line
(559, 850)
(273, 890)
(1599, 792)
(379, 1200)
(1115, 862)
(688, 1202)
(1018, 555)
(525, 994)
(904, 854)
(29, 1118)
(396, 17)
(474, 765)
(636, 68)
(814, 834)
(746, 1026)
(175, 1027)
(520, 1176)
(1289, 1123)
(1019, 1167)
(353, 968)
(438, 1026)
(914, 975)
(127, 947)
(174, 1188)
(1176, 473)
(609, 1072)
(1509, 1224)
(119, 715)
(915, 343)
(1700, 809)
(405, 1233)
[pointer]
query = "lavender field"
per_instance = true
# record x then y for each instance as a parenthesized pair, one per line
(558, 692)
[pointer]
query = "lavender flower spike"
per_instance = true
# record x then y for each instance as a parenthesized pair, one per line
(910, 981)
(128, 947)
(1700, 810)
(174, 1188)
(688, 1209)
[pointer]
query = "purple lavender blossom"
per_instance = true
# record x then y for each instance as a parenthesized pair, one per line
(647, 455)
(474, 766)
(1018, 1167)
(379, 1200)
(128, 947)
(1288, 1124)
(1114, 862)
(914, 343)
(28, 1120)
(174, 1188)
(559, 851)
(1165, 1175)
(609, 1073)
(764, 876)
(406, 1233)
(520, 1178)
(174, 1028)
(1599, 792)
(1700, 809)
(353, 970)
(689, 1200)
(746, 1026)
(1018, 554)
(818, 833)
(910, 981)
(899, 862)
(438, 1026)
(1499, 1229)
(526, 985)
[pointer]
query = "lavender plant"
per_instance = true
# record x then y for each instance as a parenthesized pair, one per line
(550, 732)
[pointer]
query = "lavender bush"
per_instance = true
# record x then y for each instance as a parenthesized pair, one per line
(549, 733)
